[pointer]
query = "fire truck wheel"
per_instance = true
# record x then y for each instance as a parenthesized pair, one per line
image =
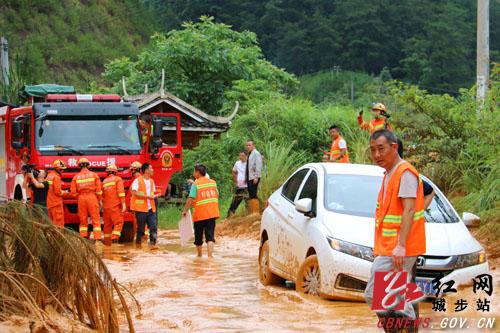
(128, 233)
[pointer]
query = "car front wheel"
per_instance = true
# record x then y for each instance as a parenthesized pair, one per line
(266, 277)
(309, 277)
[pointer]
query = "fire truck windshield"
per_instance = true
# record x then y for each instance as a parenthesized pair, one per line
(61, 135)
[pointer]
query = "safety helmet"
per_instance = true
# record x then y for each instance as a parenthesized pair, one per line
(111, 168)
(83, 160)
(58, 164)
(136, 165)
(379, 106)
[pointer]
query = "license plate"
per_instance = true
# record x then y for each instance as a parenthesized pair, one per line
(426, 286)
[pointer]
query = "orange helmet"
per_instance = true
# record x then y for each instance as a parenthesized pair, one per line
(136, 165)
(83, 160)
(58, 164)
(379, 106)
(111, 168)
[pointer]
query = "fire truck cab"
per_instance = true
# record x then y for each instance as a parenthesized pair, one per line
(60, 124)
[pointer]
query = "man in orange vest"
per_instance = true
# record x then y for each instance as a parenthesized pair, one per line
(399, 217)
(55, 195)
(338, 151)
(87, 186)
(143, 204)
(113, 200)
(135, 169)
(379, 123)
(204, 197)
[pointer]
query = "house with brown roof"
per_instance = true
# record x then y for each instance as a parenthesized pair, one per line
(195, 124)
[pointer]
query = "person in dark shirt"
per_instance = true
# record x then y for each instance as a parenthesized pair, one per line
(39, 187)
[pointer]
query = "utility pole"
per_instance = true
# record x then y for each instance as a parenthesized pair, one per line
(483, 49)
(352, 90)
(4, 60)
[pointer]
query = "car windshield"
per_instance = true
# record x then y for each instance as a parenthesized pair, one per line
(89, 135)
(357, 195)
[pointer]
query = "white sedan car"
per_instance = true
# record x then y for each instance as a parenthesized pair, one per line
(317, 231)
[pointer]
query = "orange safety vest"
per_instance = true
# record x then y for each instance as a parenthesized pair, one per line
(86, 181)
(113, 191)
(389, 213)
(335, 151)
(206, 203)
(139, 204)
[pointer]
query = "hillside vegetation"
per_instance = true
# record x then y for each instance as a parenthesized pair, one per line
(69, 41)
(429, 42)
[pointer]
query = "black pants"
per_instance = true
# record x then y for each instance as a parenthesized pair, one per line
(205, 225)
(239, 195)
(252, 189)
(144, 219)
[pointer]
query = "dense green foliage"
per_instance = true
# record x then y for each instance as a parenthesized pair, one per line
(68, 42)
(429, 42)
(343, 88)
(205, 64)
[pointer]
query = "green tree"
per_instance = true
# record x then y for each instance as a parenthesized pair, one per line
(205, 64)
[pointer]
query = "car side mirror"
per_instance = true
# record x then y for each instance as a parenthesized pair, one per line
(157, 128)
(471, 220)
(17, 129)
(304, 206)
(17, 145)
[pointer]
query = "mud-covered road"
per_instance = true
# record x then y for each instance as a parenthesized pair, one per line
(180, 292)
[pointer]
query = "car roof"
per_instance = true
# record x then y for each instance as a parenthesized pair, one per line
(349, 169)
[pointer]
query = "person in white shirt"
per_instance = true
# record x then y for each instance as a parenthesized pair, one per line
(145, 215)
(240, 181)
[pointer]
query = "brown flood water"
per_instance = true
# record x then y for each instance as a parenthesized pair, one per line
(178, 291)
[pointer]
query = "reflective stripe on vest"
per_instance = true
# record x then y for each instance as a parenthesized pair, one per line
(108, 184)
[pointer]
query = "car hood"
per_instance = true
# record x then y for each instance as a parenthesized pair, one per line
(443, 239)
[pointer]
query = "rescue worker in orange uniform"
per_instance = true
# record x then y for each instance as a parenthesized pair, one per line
(87, 186)
(143, 204)
(204, 197)
(113, 201)
(338, 150)
(379, 123)
(55, 195)
(399, 217)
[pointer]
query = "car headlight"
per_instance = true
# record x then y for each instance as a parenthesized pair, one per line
(363, 252)
(471, 259)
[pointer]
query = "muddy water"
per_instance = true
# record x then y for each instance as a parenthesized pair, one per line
(178, 291)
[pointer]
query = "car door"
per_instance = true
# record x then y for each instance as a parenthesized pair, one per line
(298, 226)
(284, 207)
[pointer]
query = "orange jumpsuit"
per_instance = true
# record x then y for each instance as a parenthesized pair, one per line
(113, 197)
(374, 125)
(55, 199)
(87, 185)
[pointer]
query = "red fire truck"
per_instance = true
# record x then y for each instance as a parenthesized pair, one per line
(60, 124)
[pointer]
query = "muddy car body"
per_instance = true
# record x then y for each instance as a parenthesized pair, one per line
(317, 231)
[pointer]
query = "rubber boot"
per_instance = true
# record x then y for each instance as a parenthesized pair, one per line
(253, 205)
